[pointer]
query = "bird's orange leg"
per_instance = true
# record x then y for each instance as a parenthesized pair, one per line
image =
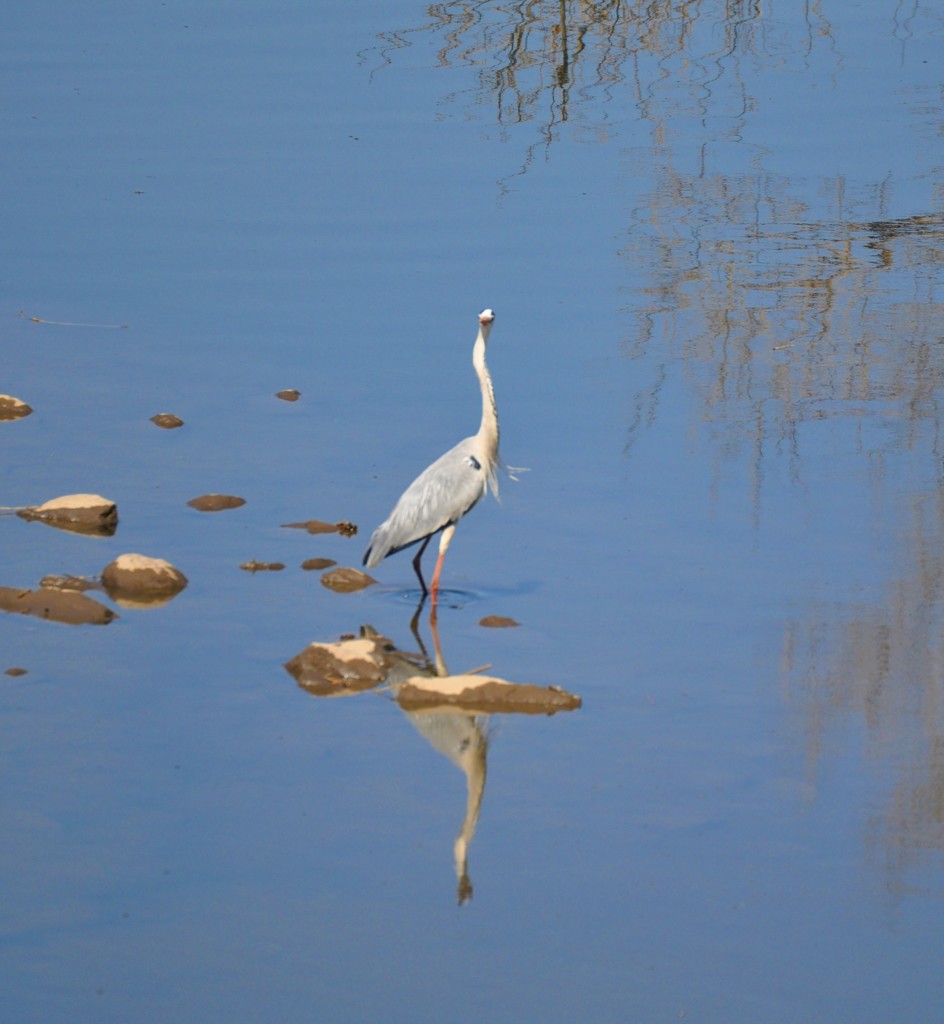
(444, 541)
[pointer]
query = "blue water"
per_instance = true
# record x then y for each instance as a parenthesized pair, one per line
(713, 238)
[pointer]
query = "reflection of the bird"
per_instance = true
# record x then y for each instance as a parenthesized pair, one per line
(451, 712)
(463, 739)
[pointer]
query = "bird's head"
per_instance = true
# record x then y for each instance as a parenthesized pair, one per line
(486, 317)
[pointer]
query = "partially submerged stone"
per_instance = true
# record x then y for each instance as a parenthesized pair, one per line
(77, 583)
(345, 528)
(355, 664)
(318, 563)
(288, 395)
(348, 666)
(68, 607)
(344, 580)
(483, 695)
(13, 408)
(167, 421)
(15, 671)
(81, 513)
(139, 580)
(498, 622)
(216, 502)
(255, 566)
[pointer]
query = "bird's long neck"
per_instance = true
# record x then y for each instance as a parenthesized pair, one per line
(488, 430)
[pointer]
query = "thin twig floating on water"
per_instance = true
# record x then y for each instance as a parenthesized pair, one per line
(66, 323)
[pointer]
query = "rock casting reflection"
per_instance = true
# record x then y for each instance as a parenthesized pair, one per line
(453, 713)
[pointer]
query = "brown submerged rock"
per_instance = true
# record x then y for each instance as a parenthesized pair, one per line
(216, 502)
(78, 583)
(167, 421)
(68, 607)
(346, 581)
(498, 622)
(345, 528)
(318, 563)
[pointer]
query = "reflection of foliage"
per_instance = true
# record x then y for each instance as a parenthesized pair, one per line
(882, 664)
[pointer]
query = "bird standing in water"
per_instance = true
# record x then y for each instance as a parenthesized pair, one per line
(442, 494)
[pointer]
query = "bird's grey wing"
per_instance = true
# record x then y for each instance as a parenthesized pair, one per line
(440, 495)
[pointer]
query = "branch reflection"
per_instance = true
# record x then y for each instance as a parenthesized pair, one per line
(786, 321)
(880, 665)
(542, 64)
(780, 319)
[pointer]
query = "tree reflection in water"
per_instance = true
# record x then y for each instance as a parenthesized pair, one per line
(783, 301)
(598, 67)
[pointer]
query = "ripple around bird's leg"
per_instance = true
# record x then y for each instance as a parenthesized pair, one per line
(448, 598)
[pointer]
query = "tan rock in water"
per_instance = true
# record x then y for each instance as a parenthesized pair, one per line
(141, 580)
(81, 513)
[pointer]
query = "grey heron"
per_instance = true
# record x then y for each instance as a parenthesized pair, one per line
(445, 491)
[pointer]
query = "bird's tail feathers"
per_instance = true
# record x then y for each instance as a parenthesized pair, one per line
(377, 549)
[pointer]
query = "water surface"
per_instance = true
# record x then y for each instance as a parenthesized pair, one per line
(713, 238)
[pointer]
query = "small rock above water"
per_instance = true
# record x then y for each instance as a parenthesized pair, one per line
(141, 580)
(13, 408)
(81, 513)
